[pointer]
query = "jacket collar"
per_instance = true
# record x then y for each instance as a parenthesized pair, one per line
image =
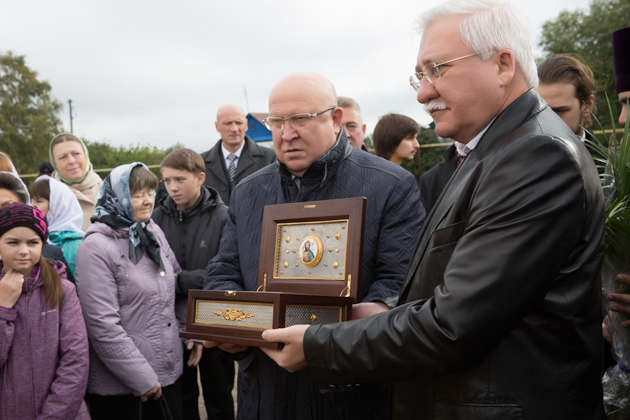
(209, 198)
(216, 162)
(505, 127)
(525, 107)
(324, 167)
(249, 149)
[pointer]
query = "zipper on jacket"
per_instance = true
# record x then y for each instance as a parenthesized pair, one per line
(181, 216)
(29, 345)
(298, 185)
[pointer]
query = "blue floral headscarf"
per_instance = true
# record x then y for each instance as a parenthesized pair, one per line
(113, 207)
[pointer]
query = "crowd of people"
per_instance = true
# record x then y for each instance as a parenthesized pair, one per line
(480, 288)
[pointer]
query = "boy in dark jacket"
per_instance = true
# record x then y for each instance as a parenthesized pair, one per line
(192, 218)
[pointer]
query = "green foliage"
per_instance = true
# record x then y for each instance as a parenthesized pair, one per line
(615, 179)
(368, 141)
(28, 114)
(588, 36)
(429, 156)
(103, 155)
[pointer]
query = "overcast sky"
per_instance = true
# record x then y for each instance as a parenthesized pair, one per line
(154, 72)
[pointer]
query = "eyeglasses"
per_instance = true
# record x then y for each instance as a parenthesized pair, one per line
(295, 120)
(433, 73)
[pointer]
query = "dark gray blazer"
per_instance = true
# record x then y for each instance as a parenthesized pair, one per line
(252, 158)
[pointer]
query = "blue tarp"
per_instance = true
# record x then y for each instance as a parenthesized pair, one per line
(257, 130)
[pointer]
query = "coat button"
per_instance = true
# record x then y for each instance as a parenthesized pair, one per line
(169, 324)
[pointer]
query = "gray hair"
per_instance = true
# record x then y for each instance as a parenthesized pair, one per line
(347, 102)
(490, 26)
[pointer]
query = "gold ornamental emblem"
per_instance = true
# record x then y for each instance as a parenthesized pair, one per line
(234, 314)
(311, 250)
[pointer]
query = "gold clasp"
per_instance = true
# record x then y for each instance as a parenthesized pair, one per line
(310, 206)
(263, 287)
(313, 317)
(230, 293)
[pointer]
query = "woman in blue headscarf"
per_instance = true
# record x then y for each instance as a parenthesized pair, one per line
(126, 275)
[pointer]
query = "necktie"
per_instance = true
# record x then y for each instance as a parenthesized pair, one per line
(461, 156)
(232, 166)
(459, 159)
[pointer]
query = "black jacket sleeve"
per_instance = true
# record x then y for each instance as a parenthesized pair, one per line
(525, 219)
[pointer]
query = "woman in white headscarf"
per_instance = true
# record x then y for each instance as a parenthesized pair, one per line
(69, 156)
(7, 167)
(63, 212)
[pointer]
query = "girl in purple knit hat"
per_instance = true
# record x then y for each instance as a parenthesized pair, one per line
(44, 352)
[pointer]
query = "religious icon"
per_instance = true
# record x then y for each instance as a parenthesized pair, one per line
(311, 250)
(307, 254)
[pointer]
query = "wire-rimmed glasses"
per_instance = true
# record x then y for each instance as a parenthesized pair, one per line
(433, 72)
(295, 120)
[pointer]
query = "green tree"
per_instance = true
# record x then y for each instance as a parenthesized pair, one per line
(28, 113)
(103, 155)
(588, 35)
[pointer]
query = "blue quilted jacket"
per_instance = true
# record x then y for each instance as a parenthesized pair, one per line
(394, 216)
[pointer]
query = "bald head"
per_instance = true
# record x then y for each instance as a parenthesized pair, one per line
(304, 93)
(229, 109)
(304, 88)
(231, 123)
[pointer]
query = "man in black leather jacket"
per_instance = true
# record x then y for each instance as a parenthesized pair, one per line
(499, 315)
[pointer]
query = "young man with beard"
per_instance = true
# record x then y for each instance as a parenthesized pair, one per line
(568, 87)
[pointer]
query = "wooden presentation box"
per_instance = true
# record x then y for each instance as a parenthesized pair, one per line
(309, 272)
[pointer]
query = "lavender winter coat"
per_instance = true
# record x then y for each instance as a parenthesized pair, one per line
(129, 310)
(43, 355)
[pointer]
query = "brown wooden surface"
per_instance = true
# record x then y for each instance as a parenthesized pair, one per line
(352, 209)
(282, 292)
(252, 336)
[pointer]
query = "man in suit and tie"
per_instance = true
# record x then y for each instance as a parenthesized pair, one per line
(568, 87)
(499, 314)
(235, 155)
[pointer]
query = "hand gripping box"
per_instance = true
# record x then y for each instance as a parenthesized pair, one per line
(309, 272)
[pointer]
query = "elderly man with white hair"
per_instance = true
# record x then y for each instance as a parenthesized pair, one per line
(499, 315)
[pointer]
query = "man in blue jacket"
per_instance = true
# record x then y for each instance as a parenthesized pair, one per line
(316, 162)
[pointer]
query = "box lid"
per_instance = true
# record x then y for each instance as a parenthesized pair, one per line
(313, 247)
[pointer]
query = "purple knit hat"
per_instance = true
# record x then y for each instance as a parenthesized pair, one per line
(621, 57)
(18, 214)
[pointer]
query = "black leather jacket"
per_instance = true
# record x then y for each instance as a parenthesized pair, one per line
(499, 316)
